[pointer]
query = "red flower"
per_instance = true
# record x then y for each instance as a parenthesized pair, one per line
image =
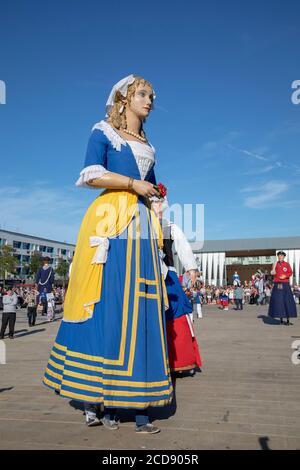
(161, 189)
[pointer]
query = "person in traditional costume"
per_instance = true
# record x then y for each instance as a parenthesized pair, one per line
(44, 282)
(45, 277)
(182, 343)
(282, 304)
(111, 348)
(198, 301)
(224, 300)
(50, 307)
(235, 278)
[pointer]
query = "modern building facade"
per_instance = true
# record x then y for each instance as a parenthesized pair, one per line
(25, 245)
(218, 259)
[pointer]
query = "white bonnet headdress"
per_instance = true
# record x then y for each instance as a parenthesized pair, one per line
(122, 87)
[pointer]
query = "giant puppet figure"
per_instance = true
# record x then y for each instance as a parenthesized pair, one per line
(282, 303)
(182, 343)
(111, 348)
(45, 277)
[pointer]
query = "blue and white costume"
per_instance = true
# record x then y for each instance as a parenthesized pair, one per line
(45, 279)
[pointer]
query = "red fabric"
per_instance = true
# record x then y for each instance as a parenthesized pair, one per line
(183, 348)
(283, 268)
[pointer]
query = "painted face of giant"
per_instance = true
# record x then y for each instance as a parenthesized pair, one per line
(141, 101)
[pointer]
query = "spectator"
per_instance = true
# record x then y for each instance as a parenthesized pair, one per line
(43, 301)
(10, 301)
(260, 289)
(238, 297)
(30, 300)
(198, 300)
(268, 291)
(208, 295)
(296, 293)
(247, 293)
(1, 298)
(224, 300)
(50, 307)
(231, 295)
(253, 296)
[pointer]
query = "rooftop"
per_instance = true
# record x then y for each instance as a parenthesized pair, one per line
(35, 237)
(248, 244)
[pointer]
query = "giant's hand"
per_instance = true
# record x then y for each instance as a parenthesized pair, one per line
(144, 188)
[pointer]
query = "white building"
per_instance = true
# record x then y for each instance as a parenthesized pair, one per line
(219, 259)
(25, 245)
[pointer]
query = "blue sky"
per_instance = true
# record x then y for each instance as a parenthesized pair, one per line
(225, 129)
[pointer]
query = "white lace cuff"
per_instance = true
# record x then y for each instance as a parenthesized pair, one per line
(89, 173)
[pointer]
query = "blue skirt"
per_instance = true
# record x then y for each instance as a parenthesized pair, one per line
(179, 304)
(119, 356)
(282, 303)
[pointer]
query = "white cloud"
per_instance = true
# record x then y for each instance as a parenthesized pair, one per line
(250, 154)
(216, 148)
(266, 195)
(266, 169)
(272, 159)
(44, 211)
(291, 204)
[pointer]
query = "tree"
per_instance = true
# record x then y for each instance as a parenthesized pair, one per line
(35, 262)
(8, 262)
(62, 269)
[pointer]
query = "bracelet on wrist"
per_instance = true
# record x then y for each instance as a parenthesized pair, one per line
(130, 184)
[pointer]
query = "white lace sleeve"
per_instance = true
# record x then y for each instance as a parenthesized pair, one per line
(183, 248)
(89, 173)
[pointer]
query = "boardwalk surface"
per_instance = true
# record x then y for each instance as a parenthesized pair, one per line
(246, 397)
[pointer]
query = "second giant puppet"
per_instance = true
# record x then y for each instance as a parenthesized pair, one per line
(182, 344)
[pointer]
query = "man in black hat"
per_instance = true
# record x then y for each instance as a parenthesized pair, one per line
(282, 303)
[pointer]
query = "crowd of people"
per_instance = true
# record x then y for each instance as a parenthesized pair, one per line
(40, 297)
(14, 298)
(256, 291)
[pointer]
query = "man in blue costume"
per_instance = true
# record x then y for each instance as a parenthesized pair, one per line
(44, 280)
